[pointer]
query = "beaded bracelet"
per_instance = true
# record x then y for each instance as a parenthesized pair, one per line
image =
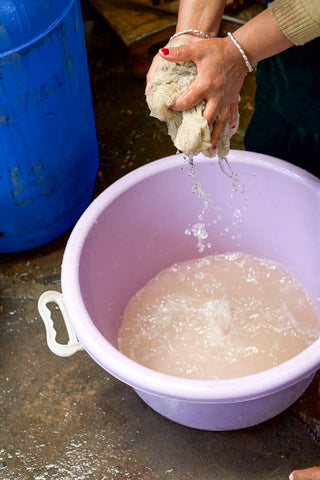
(191, 31)
(242, 52)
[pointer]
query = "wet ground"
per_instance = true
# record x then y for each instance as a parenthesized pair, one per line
(66, 418)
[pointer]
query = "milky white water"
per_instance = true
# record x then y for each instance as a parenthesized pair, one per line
(218, 317)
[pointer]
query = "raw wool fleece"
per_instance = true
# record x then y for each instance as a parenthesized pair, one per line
(188, 129)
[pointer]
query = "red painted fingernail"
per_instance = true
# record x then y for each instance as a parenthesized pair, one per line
(233, 126)
(164, 51)
(214, 147)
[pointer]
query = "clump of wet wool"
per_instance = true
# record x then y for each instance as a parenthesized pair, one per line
(188, 129)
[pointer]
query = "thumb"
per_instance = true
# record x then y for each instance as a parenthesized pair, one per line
(153, 67)
(182, 53)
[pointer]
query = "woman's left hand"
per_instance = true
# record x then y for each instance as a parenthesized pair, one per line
(221, 72)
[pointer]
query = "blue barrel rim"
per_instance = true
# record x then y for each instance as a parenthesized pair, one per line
(38, 37)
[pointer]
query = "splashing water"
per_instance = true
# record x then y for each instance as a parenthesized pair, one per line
(226, 168)
(199, 229)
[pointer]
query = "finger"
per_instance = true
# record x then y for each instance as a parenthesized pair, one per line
(210, 111)
(219, 126)
(182, 53)
(153, 67)
(189, 98)
(234, 115)
(198, 91)
(148, 87)
(312, 473)
(217, 132)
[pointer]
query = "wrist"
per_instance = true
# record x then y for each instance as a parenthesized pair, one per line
(193, 32)
(204, 15)
(236, 59)
(184, 39)
(261, 37)
(241, 51)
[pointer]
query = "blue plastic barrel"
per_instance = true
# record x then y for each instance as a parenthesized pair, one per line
(48, 145)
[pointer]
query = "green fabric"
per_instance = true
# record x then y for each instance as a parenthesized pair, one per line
(272, 134)
(291, 82)
(286, 120)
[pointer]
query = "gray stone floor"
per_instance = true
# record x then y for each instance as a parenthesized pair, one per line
(66, 418)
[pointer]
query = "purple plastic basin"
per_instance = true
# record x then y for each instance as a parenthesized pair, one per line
(136, 228)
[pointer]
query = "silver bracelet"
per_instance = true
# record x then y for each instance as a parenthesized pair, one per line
(191, 31)
(242, 52)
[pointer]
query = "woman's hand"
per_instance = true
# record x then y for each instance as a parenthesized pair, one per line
(186, 39)
(221, 72)
(221, 68)
(312, 473)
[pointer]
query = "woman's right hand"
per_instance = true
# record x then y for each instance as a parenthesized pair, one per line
(186, 39)
(220, 75)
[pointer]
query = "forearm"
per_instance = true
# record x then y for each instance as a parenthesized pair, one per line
(261, 37)
(298, 19)
(202, 15)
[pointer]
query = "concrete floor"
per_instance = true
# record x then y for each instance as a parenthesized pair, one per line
(67, 418)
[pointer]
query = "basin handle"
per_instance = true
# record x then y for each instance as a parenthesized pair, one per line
(62, 350)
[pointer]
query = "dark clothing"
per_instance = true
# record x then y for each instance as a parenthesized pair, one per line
(271, 133)
(286, 120)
